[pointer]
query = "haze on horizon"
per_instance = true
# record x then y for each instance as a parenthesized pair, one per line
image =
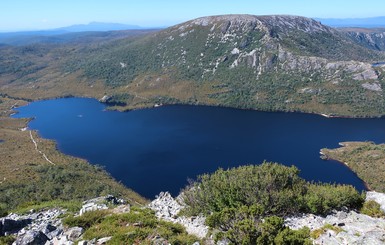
(21, 15)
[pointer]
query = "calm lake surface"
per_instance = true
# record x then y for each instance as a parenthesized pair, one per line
(158, 149)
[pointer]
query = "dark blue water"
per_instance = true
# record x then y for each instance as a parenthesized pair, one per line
(158, 149)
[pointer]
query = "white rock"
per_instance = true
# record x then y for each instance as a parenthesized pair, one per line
(103, 240)
(356, 228)
(378, 197)
(167, 208)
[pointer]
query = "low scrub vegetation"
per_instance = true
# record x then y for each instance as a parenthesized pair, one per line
(372, 208)
(139, 226)
(67, 184)
(247, 204)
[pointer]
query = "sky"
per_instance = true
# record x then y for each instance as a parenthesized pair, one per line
(18, 15)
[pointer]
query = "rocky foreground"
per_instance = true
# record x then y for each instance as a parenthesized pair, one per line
(46, 227)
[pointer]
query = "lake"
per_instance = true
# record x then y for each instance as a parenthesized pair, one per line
(158, 149)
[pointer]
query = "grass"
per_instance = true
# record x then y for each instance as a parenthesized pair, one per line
(138, 226)
(318, 232)
(366, 159)
(373, 209)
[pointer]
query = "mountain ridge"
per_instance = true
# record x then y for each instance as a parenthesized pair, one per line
(279, 62)
(218, 49)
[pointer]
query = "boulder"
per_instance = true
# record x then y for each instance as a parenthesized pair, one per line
(74, 233)
(167, 208)
(10, 225)
(31, 237)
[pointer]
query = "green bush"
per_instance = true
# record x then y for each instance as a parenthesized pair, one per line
(275, 188)
(247, 204)
(373, 209)
(323, 198)
(293, 237)
(6, 240)
(86, 220)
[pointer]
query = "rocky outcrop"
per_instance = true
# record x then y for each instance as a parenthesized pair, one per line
(35, 227)
(350, 227)
(167, 208)
(100, 203)
(46, 227)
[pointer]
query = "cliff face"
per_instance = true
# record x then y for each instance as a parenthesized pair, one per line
(369, 38)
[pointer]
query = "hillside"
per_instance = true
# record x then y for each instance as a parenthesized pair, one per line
(284, 63)
(266, 62)
(373, 38)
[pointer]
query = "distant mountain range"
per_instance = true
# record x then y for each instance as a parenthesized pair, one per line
(354, 22)
(92, 26)
(63, 34)
(99, 26)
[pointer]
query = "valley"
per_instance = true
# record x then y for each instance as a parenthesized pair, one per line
(276, 63)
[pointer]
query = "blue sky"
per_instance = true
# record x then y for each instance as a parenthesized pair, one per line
(45, 14)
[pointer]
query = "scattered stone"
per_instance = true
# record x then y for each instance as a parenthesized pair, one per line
(103, 240)
(74, 233)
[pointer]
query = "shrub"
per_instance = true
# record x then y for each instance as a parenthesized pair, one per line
(247, 204)
(6, 240)
(323, 198)
(373, 209)
(277, 189)
(86, 220)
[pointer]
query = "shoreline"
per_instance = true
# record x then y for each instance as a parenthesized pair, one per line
(157, 105)
(325, 157)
